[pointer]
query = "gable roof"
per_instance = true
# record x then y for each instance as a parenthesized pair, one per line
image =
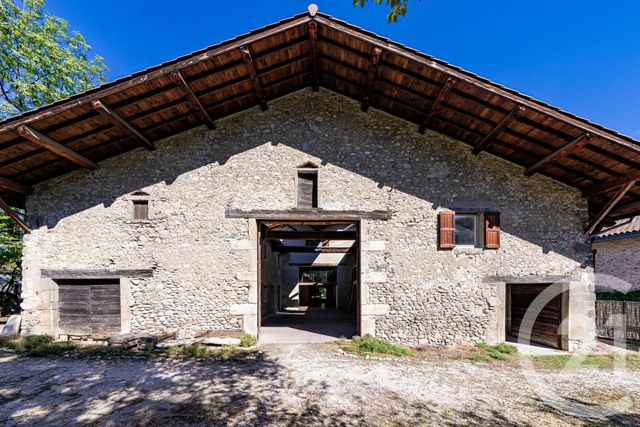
(624, 228)
(312, 50)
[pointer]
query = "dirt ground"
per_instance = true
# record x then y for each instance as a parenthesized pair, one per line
(309, 384)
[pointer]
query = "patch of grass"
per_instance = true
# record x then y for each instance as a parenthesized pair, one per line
(47, 349)
(106, 351)
(12, 343)
(600, 361)
(247, 340)
(198, 350)
(500, 352)
(30, 342)
(191, 350)
(371, 345)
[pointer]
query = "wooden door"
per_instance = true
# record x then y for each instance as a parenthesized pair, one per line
(546, 328)
(89, 307)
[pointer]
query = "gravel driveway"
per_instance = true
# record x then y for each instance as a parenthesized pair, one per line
(301, 385)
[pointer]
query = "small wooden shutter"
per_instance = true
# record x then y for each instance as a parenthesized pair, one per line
(492, 230)
(140, 209)
(446, 230)
(307, 190)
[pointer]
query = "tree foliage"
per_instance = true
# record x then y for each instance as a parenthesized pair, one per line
(398, 7)
(41, 58)
(10, 263)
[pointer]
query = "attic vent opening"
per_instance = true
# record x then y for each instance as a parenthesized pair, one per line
(307, 189)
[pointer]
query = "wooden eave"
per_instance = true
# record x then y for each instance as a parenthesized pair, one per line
(303, 51)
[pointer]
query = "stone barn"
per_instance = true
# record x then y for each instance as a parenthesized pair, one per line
(616, 255)
(312, 177)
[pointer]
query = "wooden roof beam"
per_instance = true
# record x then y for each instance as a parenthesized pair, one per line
(14, 216)
(437, 104)
(55, 147)
(605, 187)
(372, 72)
(121, 123)
(609, 206)
(560, 153)
(253, 75)
(627, 209)
(491, 137)
(192, 99)
(311, 235)
(16, 187)
(313, 49)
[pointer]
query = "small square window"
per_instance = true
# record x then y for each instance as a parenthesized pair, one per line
(140, 209)
(466, 230)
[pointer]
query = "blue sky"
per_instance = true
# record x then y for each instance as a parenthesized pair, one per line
(580, 55)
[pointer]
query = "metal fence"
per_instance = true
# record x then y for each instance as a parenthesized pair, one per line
(608, 327)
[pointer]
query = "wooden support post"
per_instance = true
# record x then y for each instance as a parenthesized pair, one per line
(609, 206)
(121, 124)
(253, 74)
(372, 71)
(611, 185)
(55, 147)
(14, 216)
(560, 153)
(16, 187)
(491, 137)
(313, 48)
(437, 104)
(195, 104)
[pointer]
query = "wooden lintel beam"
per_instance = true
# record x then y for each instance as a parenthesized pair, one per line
(560, 153)
(313, 49)
(55, 147)
(437, 104)
(313, 250)
(253, 75)
(14, 216)
(16, 187)
(491, 137)
(192, 99)
(121, 123)
(598, 189)
(311, 235)
(372, 72)
(609, 206)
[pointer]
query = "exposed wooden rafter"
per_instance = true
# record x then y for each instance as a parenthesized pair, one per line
(253, 75)
(311, 235)
(437, 104)
(14, 216)
(372, 72)
(55, 147)
(16, 187)
(625, 209)
(596, 190)
(313, 250)
(491, 137)
(313, 49)
(609, 206)
(193, 100)
(560, 153)
(121, 123)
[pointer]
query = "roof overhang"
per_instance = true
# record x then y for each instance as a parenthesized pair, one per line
(313, 50)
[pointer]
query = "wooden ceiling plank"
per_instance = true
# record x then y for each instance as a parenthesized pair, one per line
(121, 123)
(55, 147)
(191, 97)
(612, 185)
(372, 71)
(626, 209)
(488, 140)
(14, 216)
(609, 206)
(14, 186)
(251, 69)
(437, 104)
(313, 46)
(560, 153)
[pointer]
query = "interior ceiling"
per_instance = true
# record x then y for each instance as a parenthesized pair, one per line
(312, 51)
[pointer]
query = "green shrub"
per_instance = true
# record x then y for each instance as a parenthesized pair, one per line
(619, 296)
(32, 341)
(191, 350)
(10, 343)
(247, 340)
(371, 345)
(55, 348)
(101, 351)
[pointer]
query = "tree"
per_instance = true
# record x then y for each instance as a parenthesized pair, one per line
(41, 60)
(398, 7)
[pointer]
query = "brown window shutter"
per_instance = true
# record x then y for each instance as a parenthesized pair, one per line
(140, 209)
(446, 230)
(492, 230)
(307, 190)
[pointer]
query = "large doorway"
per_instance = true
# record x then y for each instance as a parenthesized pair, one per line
(309, 281)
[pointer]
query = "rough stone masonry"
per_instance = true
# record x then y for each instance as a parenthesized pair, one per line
(204, 264)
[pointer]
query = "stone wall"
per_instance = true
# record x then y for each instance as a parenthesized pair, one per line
(620, 259)
(204, 264)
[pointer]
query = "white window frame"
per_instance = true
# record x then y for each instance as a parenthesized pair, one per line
(478, 237)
